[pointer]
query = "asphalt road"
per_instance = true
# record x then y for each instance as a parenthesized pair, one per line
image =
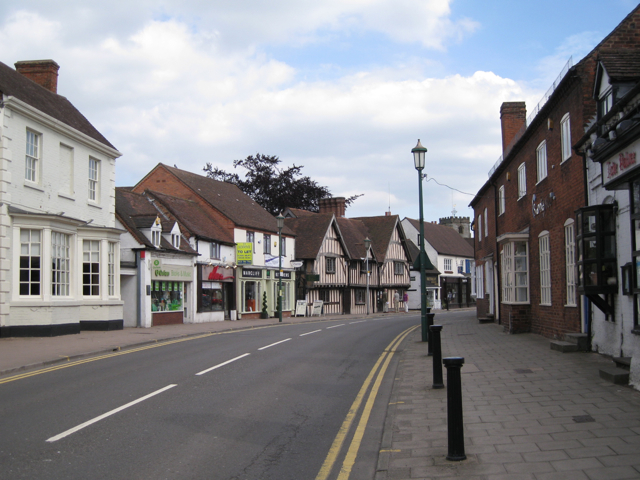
(255, 404)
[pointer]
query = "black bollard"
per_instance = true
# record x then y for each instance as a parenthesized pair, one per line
(454, 408)
(434, 334)
(429, 323)
(424, 325)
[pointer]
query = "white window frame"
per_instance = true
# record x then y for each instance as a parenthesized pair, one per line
(448, 266)
(111, 269)
(156, 236)
(565, 137)
(570, 261)
(175, 240)
(33, 156)
(501, 201)
(266, 244)
(541, 160)
(480, 281)
(94, 179)
(90, 256)
(30, 249)
(60, 264)
(545, 268)
(515, 272)
(214, 250)
(522, 181)
(480, 228)
(330, 264)
(486, 223)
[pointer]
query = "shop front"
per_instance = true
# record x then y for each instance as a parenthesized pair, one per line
(456, 292)
(168, 291)
(254, 283)
(215, 294)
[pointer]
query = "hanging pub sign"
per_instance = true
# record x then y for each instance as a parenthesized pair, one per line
(244, 253)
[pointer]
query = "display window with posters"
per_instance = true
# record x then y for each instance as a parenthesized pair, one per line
(212, 287)
(167, 296)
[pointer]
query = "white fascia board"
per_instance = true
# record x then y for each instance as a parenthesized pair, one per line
(28, 111)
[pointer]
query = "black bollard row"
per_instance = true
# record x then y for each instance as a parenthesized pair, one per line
(434, 336)
(454, 408)
(429, 323)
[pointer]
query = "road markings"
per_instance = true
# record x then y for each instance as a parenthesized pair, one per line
(309, 333)
(360, 321)
(336, 447)
(273, 344)
(108, 414)
(222, 364)
(336, 326)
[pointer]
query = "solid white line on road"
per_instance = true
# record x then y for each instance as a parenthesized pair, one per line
(277, 343)
(341, 325)
(309, 333)
(222, 364)
(360, 321)
(108, 414)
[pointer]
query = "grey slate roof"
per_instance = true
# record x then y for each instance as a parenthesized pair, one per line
(445, 240)
(14, 84)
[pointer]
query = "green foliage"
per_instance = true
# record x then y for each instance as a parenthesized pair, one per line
(273, 187)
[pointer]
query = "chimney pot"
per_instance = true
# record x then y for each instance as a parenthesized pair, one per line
(334, 205)
(513, 116)
(43, 72)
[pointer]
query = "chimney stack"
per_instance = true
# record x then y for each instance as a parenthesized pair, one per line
(43, 72)
(513, 116)
(334, 205)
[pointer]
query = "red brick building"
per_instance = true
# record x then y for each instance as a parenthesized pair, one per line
(524, 215)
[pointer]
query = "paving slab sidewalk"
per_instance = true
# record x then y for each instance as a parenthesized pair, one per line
(530, 413)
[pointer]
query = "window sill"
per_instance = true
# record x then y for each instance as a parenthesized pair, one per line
(94, 205)
(569, 305)
(66, 196)
(516, 303)
(32, 185)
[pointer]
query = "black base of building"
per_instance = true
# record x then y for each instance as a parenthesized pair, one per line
(101, 326)
(39, 330)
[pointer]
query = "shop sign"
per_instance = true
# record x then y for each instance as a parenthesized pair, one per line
(282, 274)
(217, 273)
(618, 165)
(270, 261)
(244, 253)
(163, 271)
(251, 272)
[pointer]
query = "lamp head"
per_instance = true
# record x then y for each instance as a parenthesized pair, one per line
(418, 155)
(280, 220)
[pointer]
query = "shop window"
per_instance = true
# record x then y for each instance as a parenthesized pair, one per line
(360, 296)
(324, 295)
(167, 296)
(212, 297)
(251, 296)
(596, 238)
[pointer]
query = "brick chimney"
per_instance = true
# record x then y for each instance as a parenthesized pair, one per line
(43, 72)
(513, 116)
(333, 205)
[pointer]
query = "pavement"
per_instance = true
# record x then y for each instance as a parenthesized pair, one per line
(529, 412)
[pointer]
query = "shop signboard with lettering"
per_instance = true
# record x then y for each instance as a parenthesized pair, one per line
(620, 164)
(251, 273)
(164, 271)
(285, 275)
(244, 253)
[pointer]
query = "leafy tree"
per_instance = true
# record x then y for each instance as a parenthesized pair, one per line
(273, 187)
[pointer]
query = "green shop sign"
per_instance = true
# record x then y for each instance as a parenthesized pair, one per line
(163, 271)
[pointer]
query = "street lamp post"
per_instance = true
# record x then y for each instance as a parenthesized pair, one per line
(280, 220)
(367, 244)
(418, 159)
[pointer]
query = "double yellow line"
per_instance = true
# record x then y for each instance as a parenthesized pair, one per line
(352, 453)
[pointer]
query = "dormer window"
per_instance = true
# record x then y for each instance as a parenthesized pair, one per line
(175, 240)
(155, 238)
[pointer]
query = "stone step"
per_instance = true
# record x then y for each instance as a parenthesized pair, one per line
(485, 320)
(622, 362)
(615, 375)
(564, 347)
(580, 339)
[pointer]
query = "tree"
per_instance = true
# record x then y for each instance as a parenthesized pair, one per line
(273, 187)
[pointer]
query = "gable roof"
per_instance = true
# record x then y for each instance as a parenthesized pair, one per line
(353, 233)
(17, 85)
(381, 230)
(193, 217)
(136, 212)
(310, 232)
(445, 240)
(228, 199)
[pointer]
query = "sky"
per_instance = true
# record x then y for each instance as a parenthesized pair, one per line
(344, 88)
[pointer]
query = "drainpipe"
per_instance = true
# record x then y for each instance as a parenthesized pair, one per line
(140, 294)
(586, 306)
